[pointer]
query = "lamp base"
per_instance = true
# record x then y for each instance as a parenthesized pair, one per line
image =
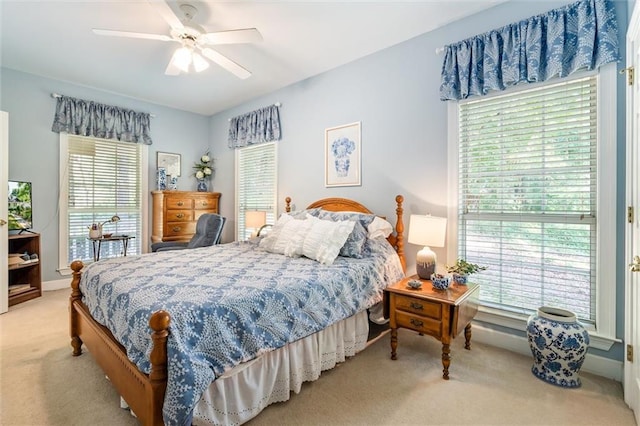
(425, 263)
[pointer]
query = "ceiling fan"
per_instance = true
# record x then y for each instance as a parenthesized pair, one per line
(193, 40)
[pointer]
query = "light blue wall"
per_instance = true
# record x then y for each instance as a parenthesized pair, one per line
(394, 93)
(34, 148)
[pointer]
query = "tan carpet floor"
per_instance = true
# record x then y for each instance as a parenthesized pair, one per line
(42, 384)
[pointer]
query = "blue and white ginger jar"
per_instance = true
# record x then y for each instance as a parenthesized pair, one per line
(559, 345)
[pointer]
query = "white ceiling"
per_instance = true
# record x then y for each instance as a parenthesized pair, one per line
(303, 38)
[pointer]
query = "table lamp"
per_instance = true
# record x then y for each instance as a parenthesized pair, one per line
(426, 231)
(255, 220)
(114, 218)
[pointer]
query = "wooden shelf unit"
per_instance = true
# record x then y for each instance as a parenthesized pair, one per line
(27, 272)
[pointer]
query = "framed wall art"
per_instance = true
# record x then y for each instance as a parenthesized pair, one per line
(342, 155)
(170, 162)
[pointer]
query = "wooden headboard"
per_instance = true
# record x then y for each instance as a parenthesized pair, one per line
(396, 239)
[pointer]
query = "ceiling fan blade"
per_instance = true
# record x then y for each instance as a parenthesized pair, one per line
(167, 14)
(247, 35)
(172, 68)
(226, 63)
(113, 33)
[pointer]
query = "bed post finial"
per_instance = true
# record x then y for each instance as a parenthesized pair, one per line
(400, 231)
(287, 207)
(76, 295)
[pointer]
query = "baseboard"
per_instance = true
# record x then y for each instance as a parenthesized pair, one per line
(594, 364)
(57, 285)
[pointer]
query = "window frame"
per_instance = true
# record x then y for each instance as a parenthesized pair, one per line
(603, 334)
(273, 212)
(63, 234)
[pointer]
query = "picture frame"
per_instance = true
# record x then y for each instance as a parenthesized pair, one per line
(170, 162)
(342, 155)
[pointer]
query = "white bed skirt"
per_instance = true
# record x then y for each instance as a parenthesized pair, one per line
(246, 390)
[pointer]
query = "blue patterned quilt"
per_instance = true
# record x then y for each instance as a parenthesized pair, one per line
(228, 303)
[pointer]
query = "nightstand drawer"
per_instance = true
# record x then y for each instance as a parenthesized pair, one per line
(419, 323)
(179, 215)
(419, 306)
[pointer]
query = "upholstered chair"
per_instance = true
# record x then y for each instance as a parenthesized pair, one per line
(208, 232)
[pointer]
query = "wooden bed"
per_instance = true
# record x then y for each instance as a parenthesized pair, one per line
(145, 393)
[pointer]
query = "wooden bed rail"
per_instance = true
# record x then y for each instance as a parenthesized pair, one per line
(143, 393)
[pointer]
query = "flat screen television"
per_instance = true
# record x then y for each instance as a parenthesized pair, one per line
(20, 206)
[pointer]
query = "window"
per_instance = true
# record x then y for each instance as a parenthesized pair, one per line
(535, 187)
(100, 178)
(256, 185)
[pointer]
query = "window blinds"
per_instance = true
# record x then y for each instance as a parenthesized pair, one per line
(104, 180)
(527, 196)
(256, 169)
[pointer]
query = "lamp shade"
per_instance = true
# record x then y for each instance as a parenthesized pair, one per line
(255, 219)
(427, 230)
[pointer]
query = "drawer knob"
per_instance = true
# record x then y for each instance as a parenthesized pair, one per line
(176, 229)
(204, 204)
(416, 322)
(181, 203)
(415, 305)
(180, 215)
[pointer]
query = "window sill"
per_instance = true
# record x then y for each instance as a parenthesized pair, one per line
(518, 322)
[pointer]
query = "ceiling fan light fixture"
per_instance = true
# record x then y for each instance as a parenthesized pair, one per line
(182, 58)
(199, 63)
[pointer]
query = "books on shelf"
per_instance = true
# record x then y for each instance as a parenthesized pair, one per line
(18, 259)
(18, 288)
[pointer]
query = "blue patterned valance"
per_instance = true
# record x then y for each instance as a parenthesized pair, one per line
(262, 125)
(88, 118)
(579, 36)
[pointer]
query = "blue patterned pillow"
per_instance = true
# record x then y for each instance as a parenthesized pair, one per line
(354, 246)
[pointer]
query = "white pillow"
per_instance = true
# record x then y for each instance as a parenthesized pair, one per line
(294, 235)
(271, 239)
(379, 228)
(325, 238)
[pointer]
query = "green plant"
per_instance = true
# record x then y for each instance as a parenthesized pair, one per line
(462, 267)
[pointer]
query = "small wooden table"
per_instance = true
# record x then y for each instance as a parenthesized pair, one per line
(442, 314)
(97, 244)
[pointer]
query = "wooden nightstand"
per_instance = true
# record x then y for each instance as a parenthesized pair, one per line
(442, 314)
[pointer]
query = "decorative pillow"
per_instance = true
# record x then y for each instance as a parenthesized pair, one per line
(325, 238)
(379, 228)
(302, 214)
(269, 242)
(295, 233)
(354, 246)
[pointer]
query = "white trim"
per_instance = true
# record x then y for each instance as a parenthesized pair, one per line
(606, 230)
(601, 366)
(453, 166)
(63, 212)
(605, 334)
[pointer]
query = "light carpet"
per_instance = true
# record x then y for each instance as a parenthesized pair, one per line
(42, 384)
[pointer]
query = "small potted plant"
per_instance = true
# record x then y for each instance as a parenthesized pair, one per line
(462, 269)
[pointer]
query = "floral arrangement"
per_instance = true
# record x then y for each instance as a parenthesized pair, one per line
(204, 168)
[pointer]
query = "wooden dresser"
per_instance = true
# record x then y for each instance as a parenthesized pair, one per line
(175, 213)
